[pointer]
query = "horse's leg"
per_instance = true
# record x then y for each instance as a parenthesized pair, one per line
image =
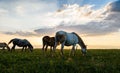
(54, 48)
(8, 47)
(55, 45)
(73, 50)
(26, 49)
(4, 48)
(43, 47)
(62, 46)
(46, 47)
(13, 48)
(50, 48)
(22, 49)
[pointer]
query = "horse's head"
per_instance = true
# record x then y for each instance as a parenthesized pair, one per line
(84, 50)
(60, 36)
(30, 47)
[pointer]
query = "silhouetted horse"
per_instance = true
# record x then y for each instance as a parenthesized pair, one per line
(69, 39)
(21, 43)
(48, 41)
(3, 45)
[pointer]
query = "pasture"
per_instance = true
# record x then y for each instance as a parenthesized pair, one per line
(96, 61)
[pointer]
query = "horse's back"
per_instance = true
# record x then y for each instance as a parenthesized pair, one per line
(48, 40)
(16, 40)
(20, 42)
(71, 39)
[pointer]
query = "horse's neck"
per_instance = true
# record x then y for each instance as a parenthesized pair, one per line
(81, 43)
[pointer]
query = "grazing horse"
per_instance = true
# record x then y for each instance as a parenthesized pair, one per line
(3, 45)
(21, 43)
(69, 39)
(48, 41)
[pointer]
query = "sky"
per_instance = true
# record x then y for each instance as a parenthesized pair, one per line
(96, 21)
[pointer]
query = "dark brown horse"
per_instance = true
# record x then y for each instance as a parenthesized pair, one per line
(4, 45)
(48, 41)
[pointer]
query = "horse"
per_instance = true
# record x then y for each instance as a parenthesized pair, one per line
(24, 43)
(48, 41)
(69, 39)
(4, 45)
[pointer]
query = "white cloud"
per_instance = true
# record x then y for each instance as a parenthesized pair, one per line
(80, 15)
(96, 22)
(83, 20)
(25, 15)
(34, 8)
(20, 10)
(3, 12)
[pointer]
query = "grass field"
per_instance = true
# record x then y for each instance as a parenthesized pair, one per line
(96, 61)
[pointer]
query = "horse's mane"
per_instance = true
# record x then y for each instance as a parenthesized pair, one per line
(80, 40)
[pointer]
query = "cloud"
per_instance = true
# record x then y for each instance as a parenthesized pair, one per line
(34, 7)
(90, 29)
(95, 28)
(83, 20)
(45, 31)
(21, 33)
(3, 12)
(80, 14)
(94, 22)
(23, 15)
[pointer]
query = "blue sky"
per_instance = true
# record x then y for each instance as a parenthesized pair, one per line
(97, 3)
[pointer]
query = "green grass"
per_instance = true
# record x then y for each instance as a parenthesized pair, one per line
(96, 61)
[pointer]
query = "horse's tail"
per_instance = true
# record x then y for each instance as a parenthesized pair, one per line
(10, 41)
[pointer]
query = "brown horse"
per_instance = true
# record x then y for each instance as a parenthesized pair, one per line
(48, 41)
(4, 45)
